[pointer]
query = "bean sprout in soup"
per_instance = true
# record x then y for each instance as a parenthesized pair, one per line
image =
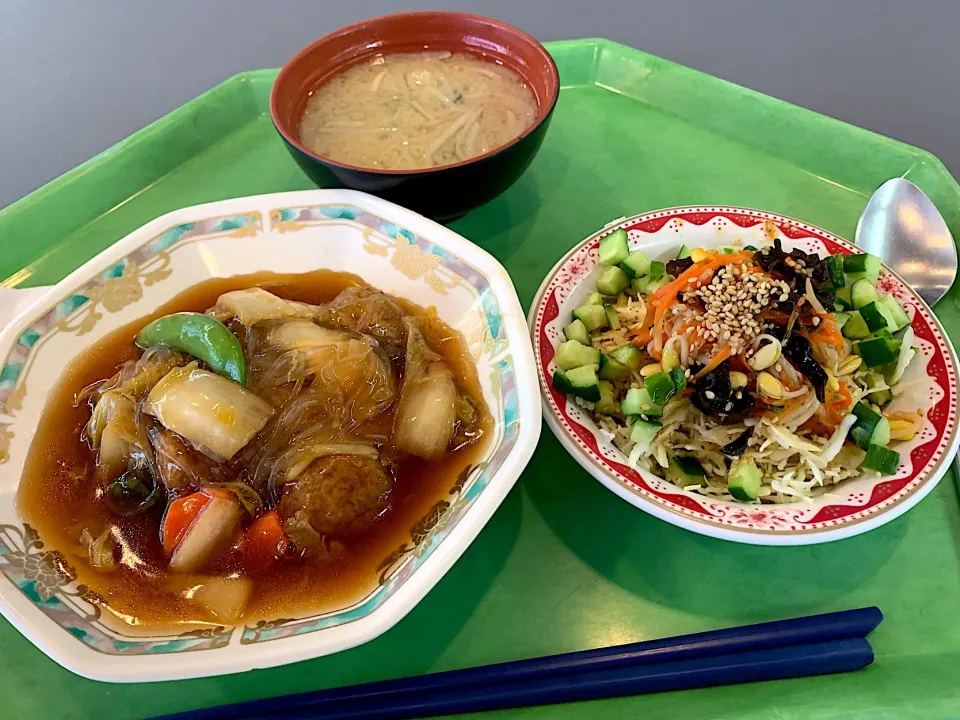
(403, 112)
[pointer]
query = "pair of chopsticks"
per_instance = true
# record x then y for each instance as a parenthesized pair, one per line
(814, 645)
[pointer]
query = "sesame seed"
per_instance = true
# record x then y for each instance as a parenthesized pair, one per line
(710, 395)
(732, 299)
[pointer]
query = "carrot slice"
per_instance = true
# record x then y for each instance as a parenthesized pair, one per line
(265, 539)
(181, 514)
(718, 358)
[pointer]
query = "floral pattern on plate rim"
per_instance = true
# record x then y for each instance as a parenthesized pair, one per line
(884, 492)
(48, 581)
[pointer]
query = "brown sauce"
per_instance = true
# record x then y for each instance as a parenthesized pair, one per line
(59, 498)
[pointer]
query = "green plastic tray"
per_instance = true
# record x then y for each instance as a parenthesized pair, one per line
(564, 564)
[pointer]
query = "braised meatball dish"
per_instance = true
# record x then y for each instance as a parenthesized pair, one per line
(255, 449)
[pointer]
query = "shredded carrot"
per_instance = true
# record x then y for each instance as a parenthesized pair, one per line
(658, 328)
(838, 403)
(668, 293)
(718, 358)
(643, 328)
(777, 318)
(844, 393)
(791, 405)
(817, 426)
(652, 325)
(827, 333)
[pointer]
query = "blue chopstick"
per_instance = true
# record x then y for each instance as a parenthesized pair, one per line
(773, 635)
(752, 666)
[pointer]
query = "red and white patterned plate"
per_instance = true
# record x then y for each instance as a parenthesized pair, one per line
(854, 506)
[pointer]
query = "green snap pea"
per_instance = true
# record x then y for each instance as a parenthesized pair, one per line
(201, 336)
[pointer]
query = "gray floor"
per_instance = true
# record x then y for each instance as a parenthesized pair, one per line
(76, 77)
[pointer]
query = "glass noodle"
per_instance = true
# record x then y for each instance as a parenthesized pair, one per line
(423, 110)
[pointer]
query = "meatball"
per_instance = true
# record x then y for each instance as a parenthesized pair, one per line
(338, 494)
(370, 312)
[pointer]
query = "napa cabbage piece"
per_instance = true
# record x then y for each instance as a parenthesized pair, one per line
(427, 410)
(253, 305)
(112, 432)
(306, 450)
(101, 550)
(215, 414)
(906, 354)
(835, 443)
(116, 398)
(112, 407)
(137, 377)
(304, 335)
(788, 439)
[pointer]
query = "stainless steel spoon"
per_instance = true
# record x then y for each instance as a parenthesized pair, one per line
(903, 228)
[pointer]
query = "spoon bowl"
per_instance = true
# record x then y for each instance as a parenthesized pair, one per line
(903, 228)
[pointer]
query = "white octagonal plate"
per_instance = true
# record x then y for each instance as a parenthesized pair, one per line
(392, 249)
